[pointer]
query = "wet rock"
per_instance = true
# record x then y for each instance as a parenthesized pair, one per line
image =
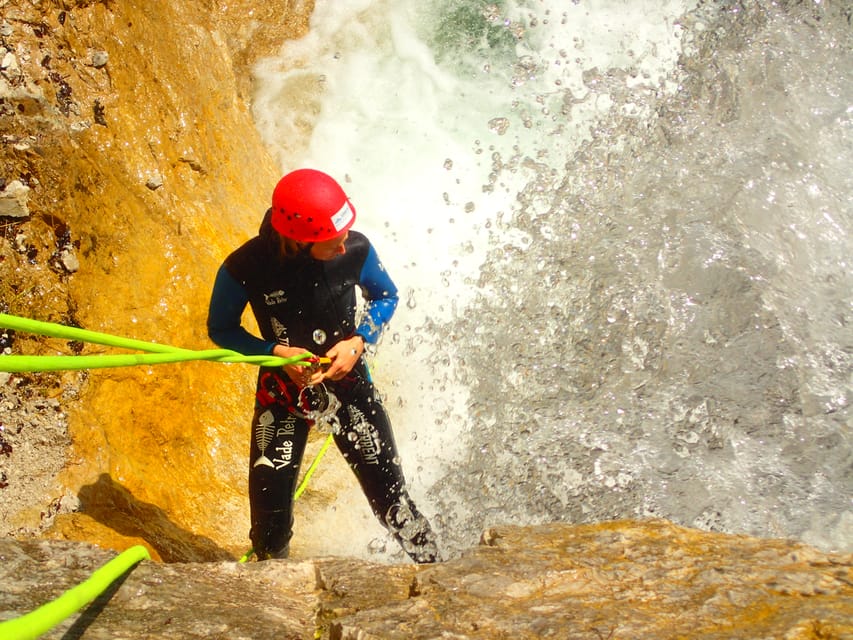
(154, 182)
(618, 580)
(100, 59)
(626, 580)
(9, 64)
(13, 200)
(69, 260)
(21, 243)
(225, 600)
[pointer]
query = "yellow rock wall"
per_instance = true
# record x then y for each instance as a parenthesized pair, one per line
(129, 123)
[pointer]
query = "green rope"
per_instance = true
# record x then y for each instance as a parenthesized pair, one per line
(83, 335)
(157, 353)
(35, 623)
(18, 364)
(313, 467)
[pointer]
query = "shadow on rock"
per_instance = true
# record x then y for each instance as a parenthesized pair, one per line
(114, 506)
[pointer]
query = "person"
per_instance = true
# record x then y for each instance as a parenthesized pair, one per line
(299, 276)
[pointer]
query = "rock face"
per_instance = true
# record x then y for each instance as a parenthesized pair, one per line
(619, 580)
(130, 167)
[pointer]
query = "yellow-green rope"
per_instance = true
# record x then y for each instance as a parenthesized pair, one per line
(155, 353)
(35, 623)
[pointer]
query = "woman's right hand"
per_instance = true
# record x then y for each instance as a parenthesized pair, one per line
(303, 375)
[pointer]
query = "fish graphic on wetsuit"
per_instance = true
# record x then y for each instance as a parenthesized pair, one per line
(264, 432)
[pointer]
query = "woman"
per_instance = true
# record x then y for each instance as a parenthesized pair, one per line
(300, 274)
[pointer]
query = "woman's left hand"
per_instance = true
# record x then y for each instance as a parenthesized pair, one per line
(344, 355)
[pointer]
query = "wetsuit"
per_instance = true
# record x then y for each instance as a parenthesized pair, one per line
(303, 302)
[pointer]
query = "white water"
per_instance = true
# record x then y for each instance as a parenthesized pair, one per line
(624, 280)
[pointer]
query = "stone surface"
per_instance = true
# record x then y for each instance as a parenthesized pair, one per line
(213, 600)
(33, 436)
(13, 199)
(619, 580)
(131, 165)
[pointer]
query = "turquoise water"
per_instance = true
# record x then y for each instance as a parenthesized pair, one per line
(622, 235)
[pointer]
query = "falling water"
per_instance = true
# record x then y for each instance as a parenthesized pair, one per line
(622, 234)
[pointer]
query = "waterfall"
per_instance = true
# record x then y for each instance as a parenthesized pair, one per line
(621, 231)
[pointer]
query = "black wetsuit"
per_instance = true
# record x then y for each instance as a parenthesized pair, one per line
(303, 302)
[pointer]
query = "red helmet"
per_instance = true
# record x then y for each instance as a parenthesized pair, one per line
(309, 206)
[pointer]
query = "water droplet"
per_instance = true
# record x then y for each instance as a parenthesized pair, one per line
(499, 125)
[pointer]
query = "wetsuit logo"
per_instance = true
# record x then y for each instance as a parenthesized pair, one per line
(274, 297)
(280, 332)
(264, 431)
(368, 439)
(285, 455)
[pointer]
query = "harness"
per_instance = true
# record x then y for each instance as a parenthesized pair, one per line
(314, 403)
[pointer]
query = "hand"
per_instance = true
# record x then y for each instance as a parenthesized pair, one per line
(344, 356)
(302, 374)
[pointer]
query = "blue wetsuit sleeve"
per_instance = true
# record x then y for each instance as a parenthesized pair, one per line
(380, 294)
(227, 302)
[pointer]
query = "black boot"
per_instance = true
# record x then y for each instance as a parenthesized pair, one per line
(413, 532)
(270, 534)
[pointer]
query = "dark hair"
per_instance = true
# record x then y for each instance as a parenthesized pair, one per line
(290, 248)
(287, 247)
